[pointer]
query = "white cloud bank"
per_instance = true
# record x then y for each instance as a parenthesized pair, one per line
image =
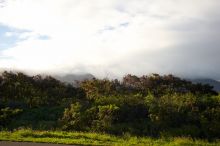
(113, 37)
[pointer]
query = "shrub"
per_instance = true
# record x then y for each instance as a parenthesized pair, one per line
(72, 117)
(7, 114)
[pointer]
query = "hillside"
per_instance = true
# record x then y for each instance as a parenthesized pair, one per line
(149, 105)
(74, 78)
(214, 83)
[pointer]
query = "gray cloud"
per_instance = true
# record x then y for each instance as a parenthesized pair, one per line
(196, 52)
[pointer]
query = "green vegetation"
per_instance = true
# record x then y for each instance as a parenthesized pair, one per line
(83, 138)
(154, 106)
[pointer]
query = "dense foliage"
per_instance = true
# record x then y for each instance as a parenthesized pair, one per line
(18, 89)
(150, 105)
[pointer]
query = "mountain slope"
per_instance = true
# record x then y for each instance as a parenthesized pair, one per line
(214, 83)
(73, 78)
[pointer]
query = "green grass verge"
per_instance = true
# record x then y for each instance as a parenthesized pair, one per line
(82, 138)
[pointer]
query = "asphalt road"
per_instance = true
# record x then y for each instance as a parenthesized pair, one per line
(7, 143)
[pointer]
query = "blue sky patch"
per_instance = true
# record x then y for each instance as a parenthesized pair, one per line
(7, 41)
(43, 37)
(10, 36)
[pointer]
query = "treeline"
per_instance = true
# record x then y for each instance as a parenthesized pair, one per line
(18, 89)
(150, 105)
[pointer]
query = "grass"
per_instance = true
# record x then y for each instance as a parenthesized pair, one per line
(82, 138)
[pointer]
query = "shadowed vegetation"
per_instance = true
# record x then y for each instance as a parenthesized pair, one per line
(154, 106)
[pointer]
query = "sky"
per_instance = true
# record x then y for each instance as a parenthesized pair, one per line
(111, 38)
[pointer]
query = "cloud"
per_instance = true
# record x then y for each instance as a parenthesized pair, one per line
(113, 37)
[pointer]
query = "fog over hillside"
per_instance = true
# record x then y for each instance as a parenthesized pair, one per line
(74, 78)
(214, 83)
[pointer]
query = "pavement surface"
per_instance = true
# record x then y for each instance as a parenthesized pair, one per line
(7, 143)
